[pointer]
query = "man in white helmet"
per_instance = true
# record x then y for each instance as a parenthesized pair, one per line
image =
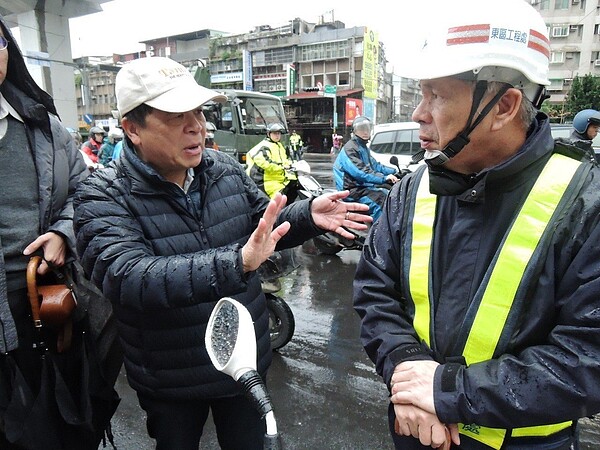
(478, 287)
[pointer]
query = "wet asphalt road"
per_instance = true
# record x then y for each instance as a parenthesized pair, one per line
(325, 392)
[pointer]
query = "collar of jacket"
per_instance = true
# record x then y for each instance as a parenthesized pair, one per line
(577, 136)
(361, 142)
(537, 149)
(145, 179)
(33, 113)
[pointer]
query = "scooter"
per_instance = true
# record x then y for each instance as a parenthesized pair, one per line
(328, 243)
(332, 243)
(231, 345)
(281, 318)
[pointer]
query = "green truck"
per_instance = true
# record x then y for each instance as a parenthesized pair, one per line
(241, 121)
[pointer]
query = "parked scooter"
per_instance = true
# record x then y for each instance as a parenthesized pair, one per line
(231, 345)
(281, 318)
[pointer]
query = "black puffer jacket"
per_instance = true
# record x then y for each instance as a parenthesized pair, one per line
(164, 264)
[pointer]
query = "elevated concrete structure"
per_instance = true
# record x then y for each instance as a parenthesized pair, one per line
(46, 41)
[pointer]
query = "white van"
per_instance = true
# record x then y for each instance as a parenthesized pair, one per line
(400, 139)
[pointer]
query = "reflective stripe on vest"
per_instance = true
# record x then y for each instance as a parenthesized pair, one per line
(506, 276)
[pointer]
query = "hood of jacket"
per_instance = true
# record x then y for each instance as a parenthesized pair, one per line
(18, 77)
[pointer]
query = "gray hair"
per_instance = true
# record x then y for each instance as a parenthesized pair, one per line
(527, 111)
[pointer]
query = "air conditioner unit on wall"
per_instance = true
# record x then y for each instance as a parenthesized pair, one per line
(597, 63)
(575, 2)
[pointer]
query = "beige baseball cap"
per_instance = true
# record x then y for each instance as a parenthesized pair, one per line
(162, 84)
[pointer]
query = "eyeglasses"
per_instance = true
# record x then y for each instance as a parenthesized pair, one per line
(3, 43)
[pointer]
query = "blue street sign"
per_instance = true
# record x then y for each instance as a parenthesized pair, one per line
(88, 118)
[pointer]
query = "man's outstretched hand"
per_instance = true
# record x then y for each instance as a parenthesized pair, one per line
(263, 240)
(330, 213)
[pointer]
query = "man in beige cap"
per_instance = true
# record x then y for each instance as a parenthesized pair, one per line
(167, 231)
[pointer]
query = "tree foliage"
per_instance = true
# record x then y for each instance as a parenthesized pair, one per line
(556, 112)
(584, 94)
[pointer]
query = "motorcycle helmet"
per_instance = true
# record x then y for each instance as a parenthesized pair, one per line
(484, 41)
(115, 135)
(585, 118)
(96, 130)
(275, 127)
(362, 127)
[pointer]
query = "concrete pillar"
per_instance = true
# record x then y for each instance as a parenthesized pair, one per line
(49, 33)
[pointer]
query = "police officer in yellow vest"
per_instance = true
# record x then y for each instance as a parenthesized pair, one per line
(269, 165)
(296, 145)
(479, 286)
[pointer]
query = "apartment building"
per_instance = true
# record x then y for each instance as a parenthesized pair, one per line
(95, 91)
(324, 73)
(574, 30)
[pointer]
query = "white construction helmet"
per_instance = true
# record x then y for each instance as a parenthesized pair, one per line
(493, 40)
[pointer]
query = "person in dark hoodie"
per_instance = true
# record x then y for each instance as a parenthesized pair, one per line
(40, 167)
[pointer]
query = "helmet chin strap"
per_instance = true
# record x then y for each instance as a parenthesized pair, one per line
(455, 146)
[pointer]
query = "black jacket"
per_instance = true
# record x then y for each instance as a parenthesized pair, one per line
(549, 373)
(582, 141)
(164, 262)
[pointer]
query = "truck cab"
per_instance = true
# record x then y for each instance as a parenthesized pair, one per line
(241, 122)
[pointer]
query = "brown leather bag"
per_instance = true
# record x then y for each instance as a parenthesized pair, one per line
(51, 305)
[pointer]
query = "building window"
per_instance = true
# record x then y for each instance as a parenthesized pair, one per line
(344, 78)
(557, 57)
(560, 31)
(325, 50)
(561, 4)
(555, 85)
(572, 55)
(576, 29)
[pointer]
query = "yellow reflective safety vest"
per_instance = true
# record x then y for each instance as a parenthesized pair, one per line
(265, 166)
(295, 140)
(502, 280)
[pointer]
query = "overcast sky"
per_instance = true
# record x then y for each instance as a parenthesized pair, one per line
(124, 23)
